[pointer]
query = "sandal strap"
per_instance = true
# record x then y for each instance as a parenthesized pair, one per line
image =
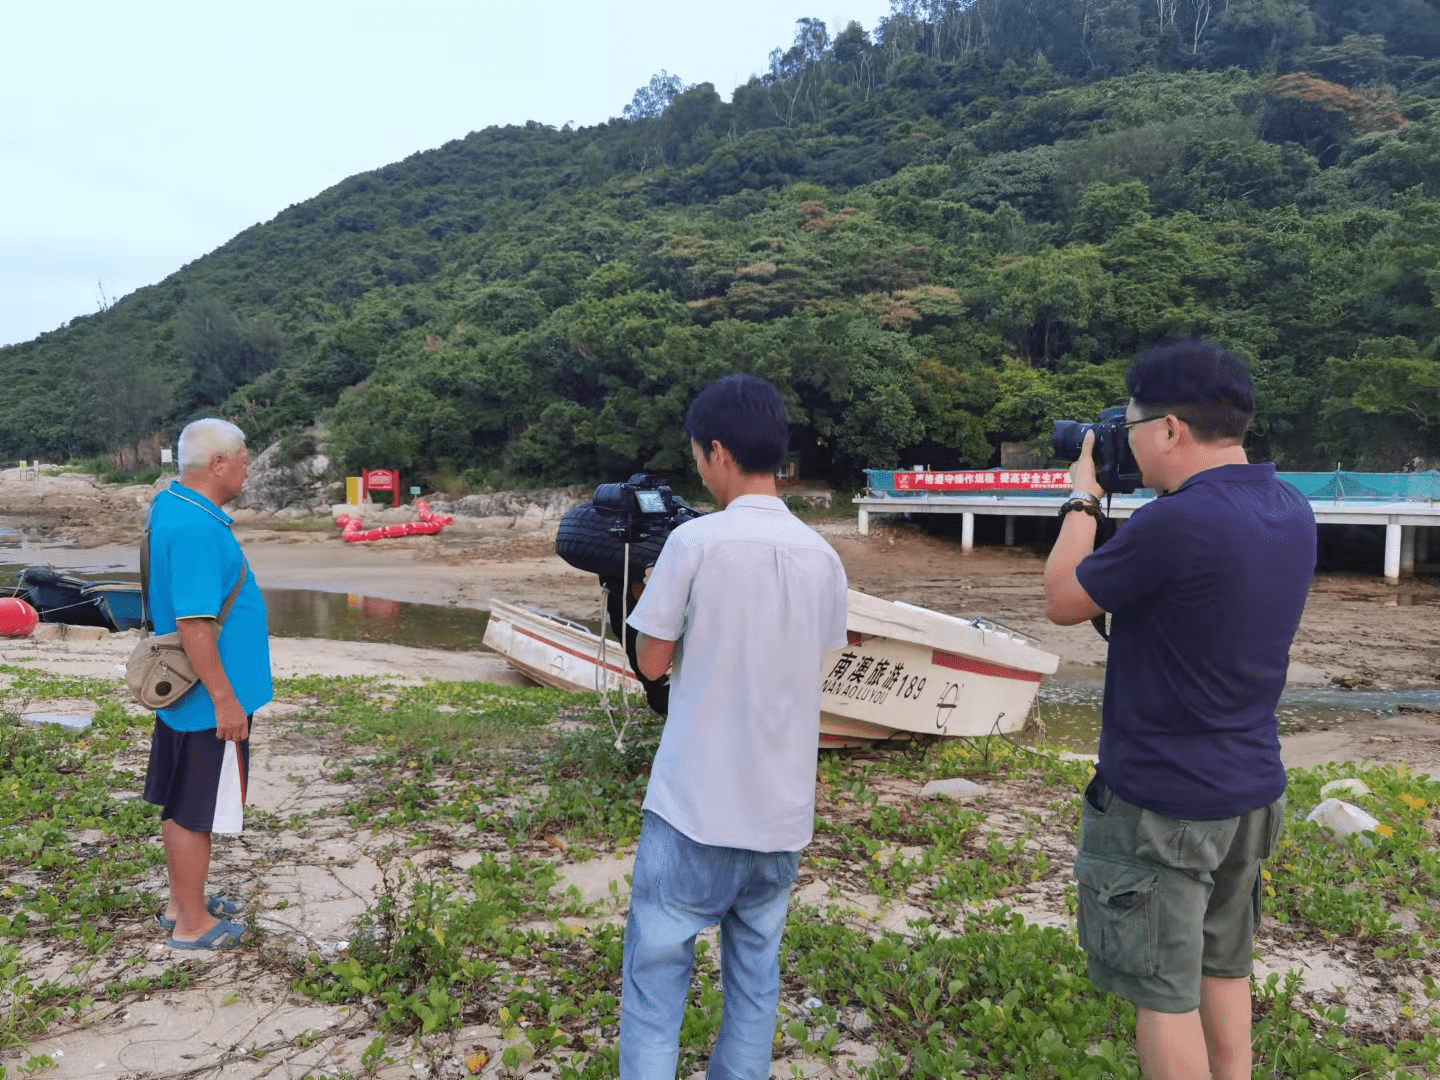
(223, 935)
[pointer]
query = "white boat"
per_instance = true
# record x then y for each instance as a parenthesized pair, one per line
(912, 671)
(557, 652)
(906, 670)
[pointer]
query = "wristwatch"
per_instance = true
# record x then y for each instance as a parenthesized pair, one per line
(1083, 501)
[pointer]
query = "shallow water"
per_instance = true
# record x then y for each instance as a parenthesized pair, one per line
(73, 721)
(345, 616)
(1068, 706)
(352, 617)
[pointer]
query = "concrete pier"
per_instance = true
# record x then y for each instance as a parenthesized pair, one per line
(1414, 519)
(1392, 552)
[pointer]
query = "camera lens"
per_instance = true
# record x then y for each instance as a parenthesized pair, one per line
(611, 497)
(1067, 438)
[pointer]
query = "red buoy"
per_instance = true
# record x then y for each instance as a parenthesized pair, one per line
(352, 532)
(17, 618)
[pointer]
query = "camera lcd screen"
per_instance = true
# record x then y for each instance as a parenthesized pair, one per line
(651, 502)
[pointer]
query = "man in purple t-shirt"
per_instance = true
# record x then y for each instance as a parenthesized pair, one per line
(1205, 586)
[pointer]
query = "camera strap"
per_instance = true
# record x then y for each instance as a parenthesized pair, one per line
(602, 677)
(1104, 529)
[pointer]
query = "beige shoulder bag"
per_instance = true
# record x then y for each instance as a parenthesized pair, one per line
(158, 672)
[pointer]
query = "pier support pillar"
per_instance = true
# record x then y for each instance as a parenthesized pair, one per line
(967, 531)
(1407, 550)
(1392, 552)
(1009, 530)
(864, 523)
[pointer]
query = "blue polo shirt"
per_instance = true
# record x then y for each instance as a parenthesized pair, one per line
(195, 561)
(1206, 586)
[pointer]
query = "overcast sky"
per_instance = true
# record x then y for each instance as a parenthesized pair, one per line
(136, 137)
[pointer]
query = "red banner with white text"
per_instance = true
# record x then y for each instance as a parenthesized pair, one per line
(985, 480)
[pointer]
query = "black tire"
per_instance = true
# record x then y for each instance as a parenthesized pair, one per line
(584, 540)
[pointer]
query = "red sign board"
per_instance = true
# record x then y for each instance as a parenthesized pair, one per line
(985, 480)
(383, 480)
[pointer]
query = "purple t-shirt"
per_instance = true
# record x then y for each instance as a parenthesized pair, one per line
(1206, 586)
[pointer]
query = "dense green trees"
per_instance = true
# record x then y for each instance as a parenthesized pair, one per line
(935, 235)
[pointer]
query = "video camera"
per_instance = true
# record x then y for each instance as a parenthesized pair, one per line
(635, 517)
(1115, 464)
(641, 507)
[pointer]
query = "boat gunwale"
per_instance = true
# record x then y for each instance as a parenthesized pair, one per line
(945, 633)
(559, 629)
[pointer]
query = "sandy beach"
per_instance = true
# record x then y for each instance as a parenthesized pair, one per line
(317, 859)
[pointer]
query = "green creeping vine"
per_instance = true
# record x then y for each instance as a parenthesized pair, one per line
(479, 771)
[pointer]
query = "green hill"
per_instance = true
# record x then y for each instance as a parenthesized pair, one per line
(940, 235)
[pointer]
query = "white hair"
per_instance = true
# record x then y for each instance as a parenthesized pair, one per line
(202, 439)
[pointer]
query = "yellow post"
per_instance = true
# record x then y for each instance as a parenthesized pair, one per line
(352, 490)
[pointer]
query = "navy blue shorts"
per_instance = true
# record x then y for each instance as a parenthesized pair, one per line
(197, 779)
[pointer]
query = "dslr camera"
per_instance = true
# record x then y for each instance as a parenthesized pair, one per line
(1115, 465)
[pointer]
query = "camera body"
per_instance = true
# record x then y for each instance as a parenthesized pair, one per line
(1115, 464)
(641, 507)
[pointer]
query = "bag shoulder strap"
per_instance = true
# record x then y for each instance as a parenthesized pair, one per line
(146, 623)
(234, 593)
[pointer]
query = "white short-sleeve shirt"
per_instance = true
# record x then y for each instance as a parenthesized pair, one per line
(755, 599)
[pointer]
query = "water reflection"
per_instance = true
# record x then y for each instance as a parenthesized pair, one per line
(353, 617)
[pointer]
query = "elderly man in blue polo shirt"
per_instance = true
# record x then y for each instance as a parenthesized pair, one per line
(746, 603)
(201, 585)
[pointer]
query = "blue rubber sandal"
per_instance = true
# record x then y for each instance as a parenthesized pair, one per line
(223, 935)
(218, 906)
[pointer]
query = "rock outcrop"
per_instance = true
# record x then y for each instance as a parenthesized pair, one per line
(531, 506)
(289, 475)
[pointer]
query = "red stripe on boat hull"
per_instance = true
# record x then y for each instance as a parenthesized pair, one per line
(981, 667)
(622, 672)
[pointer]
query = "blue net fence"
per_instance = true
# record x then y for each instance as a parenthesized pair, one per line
(1328, 486)
(1372, 487)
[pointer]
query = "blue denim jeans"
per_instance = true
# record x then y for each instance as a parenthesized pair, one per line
(678, 888)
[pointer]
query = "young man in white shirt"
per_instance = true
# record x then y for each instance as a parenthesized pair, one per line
(745, 604)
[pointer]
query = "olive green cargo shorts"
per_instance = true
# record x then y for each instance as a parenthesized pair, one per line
(1164, 900)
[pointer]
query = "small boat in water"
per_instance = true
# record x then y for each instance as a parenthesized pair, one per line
(118, 601)
(60, 598)
(906, 670)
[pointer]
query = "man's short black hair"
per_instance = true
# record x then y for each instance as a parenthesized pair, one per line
(745, 415)
(1202, 384)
